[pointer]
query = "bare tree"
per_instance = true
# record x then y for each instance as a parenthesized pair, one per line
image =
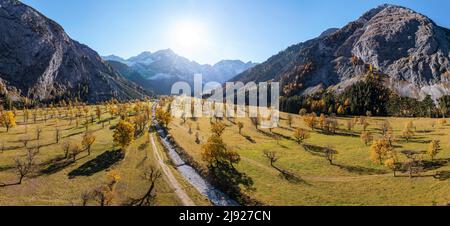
(197, 138)
(272, 157)
(88, 140)
(103, 195)
(25, 139)
(75, 150)
(25, 166)
(58, 134)
(66, 148)
(289, 120)
(38, 132)
(350, 125)
(385, 127)
(152, 176)
(413, 167)
(35, 113)
(2, 147)
(330, 155)
(38, 147)
(85, 197)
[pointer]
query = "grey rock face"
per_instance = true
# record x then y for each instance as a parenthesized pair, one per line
(134, 76)
(38, 58)
(404, 45)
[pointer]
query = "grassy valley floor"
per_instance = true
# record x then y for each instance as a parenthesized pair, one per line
(353, 179)
(56, 181)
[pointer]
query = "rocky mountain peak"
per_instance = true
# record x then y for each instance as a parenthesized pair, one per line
(165, 67)
(396, 41)
(42, 62)
(328, 32)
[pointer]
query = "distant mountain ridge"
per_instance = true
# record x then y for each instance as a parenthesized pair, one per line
(395, 41)
(165, 67)
(40, 61)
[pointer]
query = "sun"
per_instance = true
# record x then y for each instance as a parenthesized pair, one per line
(188, 36)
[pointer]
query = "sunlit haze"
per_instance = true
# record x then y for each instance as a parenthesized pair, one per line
(189, 38)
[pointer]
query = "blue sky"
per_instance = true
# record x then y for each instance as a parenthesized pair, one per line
(211, 30)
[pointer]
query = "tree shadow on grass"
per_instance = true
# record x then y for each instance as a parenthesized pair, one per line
(286, 128)
(283, 136)
(439, 134)
(100, 163)
(234, 123)
(55, 165)
(142, 162)
(418, 140)
(249, 138)
(48, 145)
(292, 178)
(143, 146)
(360, 170)
(231, 181)
(434, 165)
(6, 168)
(338, 133)
(265, 133)
(69, 128)
(73, 134)
(12, 148)
(3, 185)
(424, 131)
(321, 152)
(16, 141)
(315, 150)
(103, 121)
(442, 175)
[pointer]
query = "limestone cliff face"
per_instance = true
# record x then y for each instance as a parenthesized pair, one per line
(404, 45)
(38, 59)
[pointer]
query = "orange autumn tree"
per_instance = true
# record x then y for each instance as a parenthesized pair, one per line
(123, 134)
(380, 150)
(218, 128)
(164, 117)
(215, 151)
(301, 135)
(366, 137)
(105, 194)
(98, 112)
(434, 148)
(88, 140)
(310, 120)
(408, 132)
(8, 120)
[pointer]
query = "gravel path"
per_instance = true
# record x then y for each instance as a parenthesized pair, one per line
(179, 191)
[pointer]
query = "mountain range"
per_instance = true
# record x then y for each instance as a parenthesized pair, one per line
(407, 47)
(163, 68)
(38, 60)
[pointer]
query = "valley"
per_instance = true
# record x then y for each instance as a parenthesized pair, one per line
(63, 177)
(363, 109)
(351, 179)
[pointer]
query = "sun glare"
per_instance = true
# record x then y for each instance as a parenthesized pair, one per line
(189, 36)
